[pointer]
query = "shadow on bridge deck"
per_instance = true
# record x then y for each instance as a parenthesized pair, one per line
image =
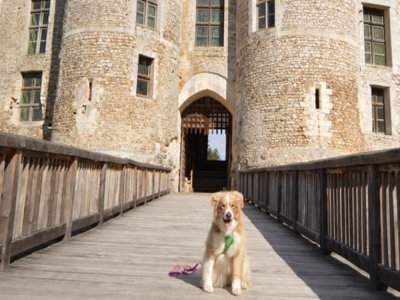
(293, 256)
(129, 258)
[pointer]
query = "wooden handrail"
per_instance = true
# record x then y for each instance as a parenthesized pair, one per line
(14, 141)
(345, 161)
(349, 205)
(51, 191)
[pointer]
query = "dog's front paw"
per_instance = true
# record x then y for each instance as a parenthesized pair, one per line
(236, 287)
(236, 291)
(208, 288)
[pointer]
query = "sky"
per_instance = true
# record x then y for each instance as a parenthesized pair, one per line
(218, 141)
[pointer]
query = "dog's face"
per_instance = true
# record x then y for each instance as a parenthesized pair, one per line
(227, 208)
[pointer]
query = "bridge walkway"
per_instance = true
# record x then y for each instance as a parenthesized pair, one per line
(129, 258)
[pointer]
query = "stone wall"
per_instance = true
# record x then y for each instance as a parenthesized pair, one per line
(15, 60)
(312, 46)
(194, 60)
(268, 79)
(101, 47)
(386, 77)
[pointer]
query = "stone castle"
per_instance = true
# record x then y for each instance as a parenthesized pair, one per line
(284, 80)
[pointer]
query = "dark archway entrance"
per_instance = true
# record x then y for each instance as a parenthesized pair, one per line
(206, 146)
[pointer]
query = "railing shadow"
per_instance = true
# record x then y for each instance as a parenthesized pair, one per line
(191, 279)
(326, 276)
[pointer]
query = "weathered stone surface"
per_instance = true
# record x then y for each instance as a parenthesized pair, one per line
(313, 45)
(266, 78)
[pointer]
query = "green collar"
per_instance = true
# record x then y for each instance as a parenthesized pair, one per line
(228, 241)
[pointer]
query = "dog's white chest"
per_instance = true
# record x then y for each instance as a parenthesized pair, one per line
(219, 242)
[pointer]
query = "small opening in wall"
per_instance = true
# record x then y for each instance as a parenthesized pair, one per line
(90, 90)
(317, 98)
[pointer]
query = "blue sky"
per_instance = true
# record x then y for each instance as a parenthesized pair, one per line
(218, 141)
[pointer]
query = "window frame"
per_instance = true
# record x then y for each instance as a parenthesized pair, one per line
(39, 43)
(32, 90)
(269, 14)
(210, 25)
(370, 39)
(145, 77)
(145, 13)
(385, 106)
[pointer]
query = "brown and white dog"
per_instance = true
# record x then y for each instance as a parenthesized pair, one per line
(225, 261)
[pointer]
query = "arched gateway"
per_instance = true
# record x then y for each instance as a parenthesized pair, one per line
(201, 168)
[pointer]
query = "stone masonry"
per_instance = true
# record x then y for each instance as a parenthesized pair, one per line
(268, 79)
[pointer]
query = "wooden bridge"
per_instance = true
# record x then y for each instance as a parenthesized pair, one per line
(55, 193)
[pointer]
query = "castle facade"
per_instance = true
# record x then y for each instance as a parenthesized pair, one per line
(283, 80)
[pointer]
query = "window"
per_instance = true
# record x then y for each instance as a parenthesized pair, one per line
(31, 109)
(39, 22)
(145, 70)
(378, 110)
(265, 14)
(146, 13)
(210, 23)
(374, 36)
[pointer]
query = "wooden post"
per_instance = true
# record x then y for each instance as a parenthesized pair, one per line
(138, 184)
(244, 183)
(243, 179)
(144, 185)
(254, 188)
(159, 182)
(102, 190)
(39, 178)
(279, 199)
(323, 214)
(7, 207)
(296, 202)
(242, 189)
(260, 188)
(374, 226)
(152, 184)
(267, 178)
(122, 190)
(52, 205)
(253, 175)
(135, 184)
(69, 199)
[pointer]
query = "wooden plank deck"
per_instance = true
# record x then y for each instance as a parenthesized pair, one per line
(129, 258)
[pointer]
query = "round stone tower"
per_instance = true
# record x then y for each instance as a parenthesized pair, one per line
(99, 105)
(297, 81)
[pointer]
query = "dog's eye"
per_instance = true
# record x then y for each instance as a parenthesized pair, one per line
(222, 207)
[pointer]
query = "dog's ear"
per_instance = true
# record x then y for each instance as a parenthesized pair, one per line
(215, 199)
(239, 198)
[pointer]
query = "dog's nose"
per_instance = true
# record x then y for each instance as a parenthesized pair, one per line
(228, 215)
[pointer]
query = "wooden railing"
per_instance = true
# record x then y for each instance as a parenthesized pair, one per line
(349, 205)
(50, 192)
